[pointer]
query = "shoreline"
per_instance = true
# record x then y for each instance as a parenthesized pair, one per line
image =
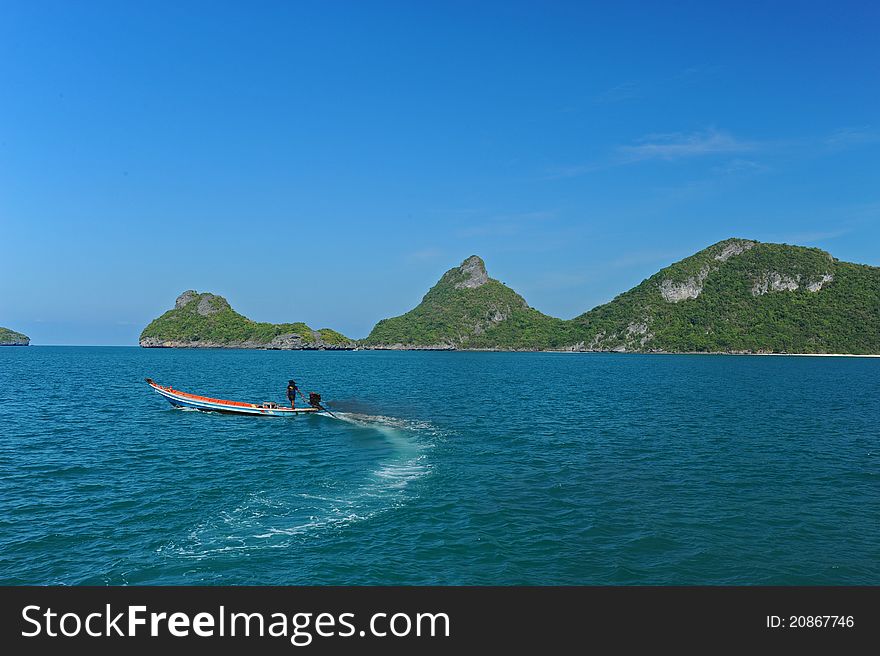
(575, 352)
(453, 350)
(569, 351)
(823, 355)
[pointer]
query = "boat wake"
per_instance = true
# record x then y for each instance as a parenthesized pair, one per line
(267, 521)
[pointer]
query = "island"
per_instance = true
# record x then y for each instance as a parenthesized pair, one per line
(208, 321)
(736, 296)
(11, 338)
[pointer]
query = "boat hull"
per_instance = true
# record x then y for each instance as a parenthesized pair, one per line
(206, 404)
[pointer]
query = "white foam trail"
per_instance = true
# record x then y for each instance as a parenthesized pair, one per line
(259, 522)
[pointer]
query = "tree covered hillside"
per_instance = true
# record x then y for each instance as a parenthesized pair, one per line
(208, 320)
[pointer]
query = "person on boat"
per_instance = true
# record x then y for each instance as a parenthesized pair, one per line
(292, 389)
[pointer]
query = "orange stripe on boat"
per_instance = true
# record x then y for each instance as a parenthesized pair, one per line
(196, 397)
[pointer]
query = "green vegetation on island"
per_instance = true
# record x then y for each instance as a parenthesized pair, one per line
(744, 296)
(207, 320)
(11, 338)
(331, 337)
(467, 309)
(735, 296)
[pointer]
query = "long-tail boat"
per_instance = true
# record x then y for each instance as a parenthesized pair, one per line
(207, 404)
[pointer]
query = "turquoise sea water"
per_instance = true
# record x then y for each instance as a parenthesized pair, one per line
(446, 468)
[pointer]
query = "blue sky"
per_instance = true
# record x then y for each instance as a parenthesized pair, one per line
(327, 161)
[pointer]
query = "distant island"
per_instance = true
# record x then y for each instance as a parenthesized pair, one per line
(736, 296)
(467, 309)
(11, 338)
(208, 321)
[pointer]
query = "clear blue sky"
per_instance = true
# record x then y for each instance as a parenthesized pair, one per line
(327, 161)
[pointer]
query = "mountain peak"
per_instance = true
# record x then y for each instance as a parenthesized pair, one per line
(185, 298)
(208, 303)
(474, 270)
(464, 309)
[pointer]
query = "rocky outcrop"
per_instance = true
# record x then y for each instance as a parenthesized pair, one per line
(675, 292)
(817, 285)
(773, 281)
(11, 338)
(409, 347)
(185, 298)
(210, 304)
(494, 316)
(734, 247)
(206, 304)
(475, 271)
(289, 342)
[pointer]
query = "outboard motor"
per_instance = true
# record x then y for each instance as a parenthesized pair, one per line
(314, 399)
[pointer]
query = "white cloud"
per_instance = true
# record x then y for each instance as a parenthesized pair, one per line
(847, 137)
(678, 145)
(668, 147)
(621, 92)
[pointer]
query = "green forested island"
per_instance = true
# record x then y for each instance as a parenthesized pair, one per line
(11, 338)
(744, 296)
(736, 296)
(468, 309)
(208, 321)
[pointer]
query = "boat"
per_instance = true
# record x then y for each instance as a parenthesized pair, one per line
(207, 404)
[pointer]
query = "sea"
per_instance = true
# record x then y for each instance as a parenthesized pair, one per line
(456, 468)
